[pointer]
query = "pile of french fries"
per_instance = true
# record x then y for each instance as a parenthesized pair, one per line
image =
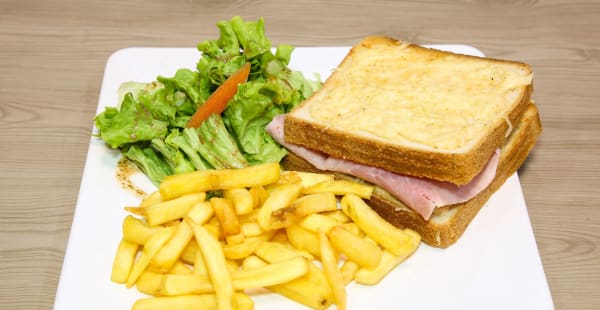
(261, 228)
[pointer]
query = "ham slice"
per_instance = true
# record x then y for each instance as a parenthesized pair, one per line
(422, 195)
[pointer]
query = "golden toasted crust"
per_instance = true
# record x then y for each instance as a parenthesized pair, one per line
(455, 167)
(447, 224)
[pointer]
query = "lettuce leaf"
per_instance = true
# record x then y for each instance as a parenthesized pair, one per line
(149, 123)
(133, 122)
(189, 82)
(247, 114)
(149, 162)
(221, 146)
(251, 36)
(173, 156)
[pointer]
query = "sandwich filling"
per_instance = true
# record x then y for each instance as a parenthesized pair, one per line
(422, 195)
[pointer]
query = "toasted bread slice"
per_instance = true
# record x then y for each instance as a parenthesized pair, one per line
(413, 110)
(447, 224)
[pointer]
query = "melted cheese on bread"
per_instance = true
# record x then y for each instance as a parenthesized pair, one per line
(419, 97)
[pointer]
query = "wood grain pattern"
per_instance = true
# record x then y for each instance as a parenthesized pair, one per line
(52, 56)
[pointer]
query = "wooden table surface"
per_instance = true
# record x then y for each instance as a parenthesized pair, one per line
(52, 58)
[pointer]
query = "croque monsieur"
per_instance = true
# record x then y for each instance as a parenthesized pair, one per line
(437, 133)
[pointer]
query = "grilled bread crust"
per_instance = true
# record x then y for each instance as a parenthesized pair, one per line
(455, 167)
(447, 224)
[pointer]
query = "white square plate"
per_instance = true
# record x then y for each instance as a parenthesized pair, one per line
(495, 265)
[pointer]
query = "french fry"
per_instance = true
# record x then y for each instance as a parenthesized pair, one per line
(172, 209)
(191, 302)
(251, 229)
(212, 252)
(338, 215)
(200, 265)
(341, 187)
(201, 212)
(280, 236)
(357, 249)
(215, 229)
(251, 176)
(250, 217)
(261, 276)
(150, 282)
(171, 223)
(311, 290)
(280, 197)
(189, 252)
(372, 276)
(252, 262)
(180, 284)
(288, 177)
(235, 239)
(285, 242)
(303, 206)
(316, 221)
(332, 272)
(243, 301)
(155, 268)
(201, 181)
(303, 253)
(283, 218)
(390, 237)
(225, 213)
(232, 265)
(259, 195)
(180, 268)
(308, 179)
(123, 261)
(271, 274)
(170, 252)
(250, 244)
(348, 270)
(186, 183)
(152, 246)
(275, 251)
(135, 210)
(353, 228)
(389, 261)
(214, 221)
(136, 230)
(151, 199)
(314, 203)
(242, 199)
(303, 239)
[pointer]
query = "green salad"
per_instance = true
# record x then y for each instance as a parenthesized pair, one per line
(149, 124)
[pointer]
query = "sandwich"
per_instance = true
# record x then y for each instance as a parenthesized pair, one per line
(436, 133)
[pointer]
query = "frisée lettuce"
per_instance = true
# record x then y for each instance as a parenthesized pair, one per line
(149, 123)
